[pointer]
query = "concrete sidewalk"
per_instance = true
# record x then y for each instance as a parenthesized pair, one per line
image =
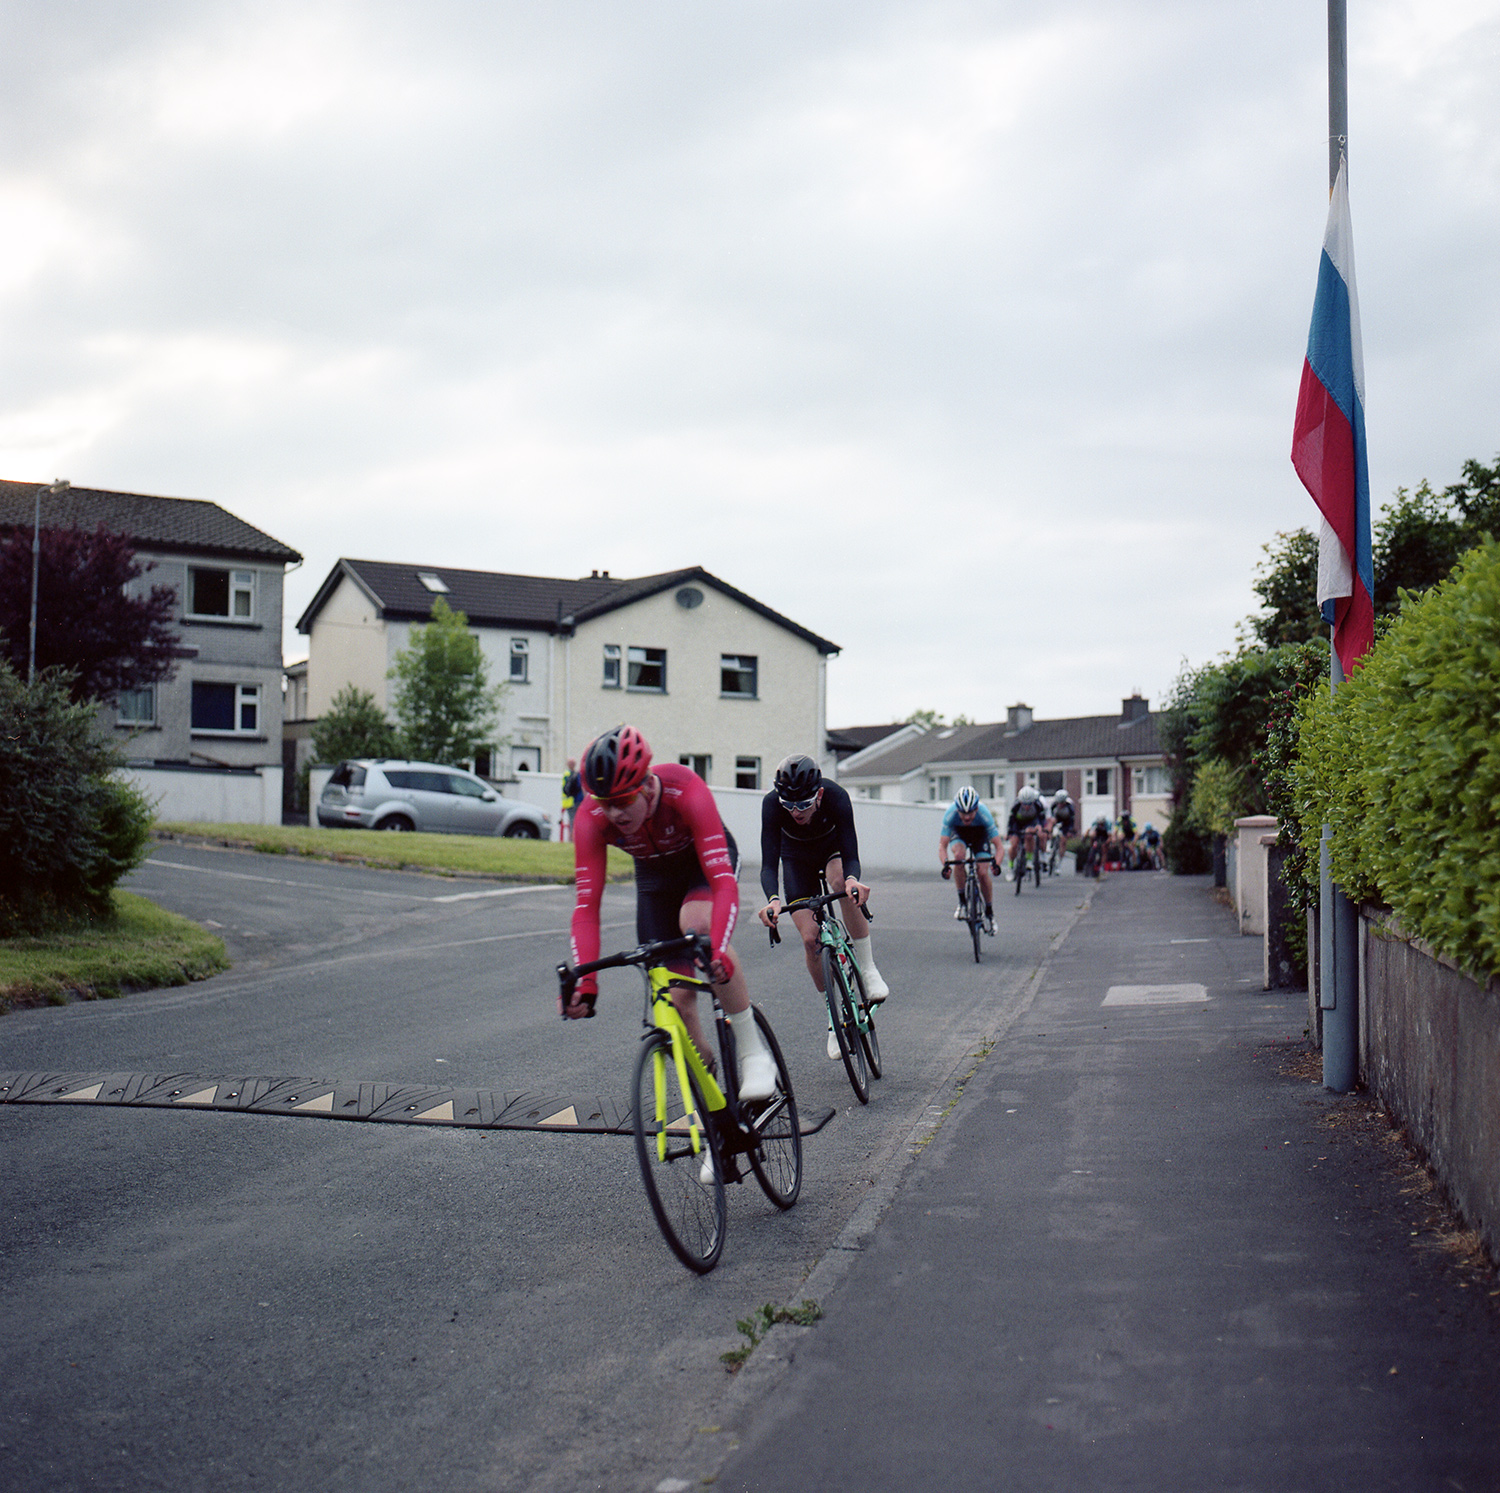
(1137, 1256)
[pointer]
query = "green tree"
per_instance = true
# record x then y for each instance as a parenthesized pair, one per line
(929, 720)
(353, 726)
(1287, 583)
(69, 828)
(444, 701)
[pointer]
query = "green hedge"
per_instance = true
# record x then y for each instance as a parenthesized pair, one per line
(1404, 764)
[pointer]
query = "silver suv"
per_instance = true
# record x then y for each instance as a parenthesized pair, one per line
(372, 793)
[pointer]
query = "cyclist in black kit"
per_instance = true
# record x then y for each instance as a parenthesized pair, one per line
(807, 827)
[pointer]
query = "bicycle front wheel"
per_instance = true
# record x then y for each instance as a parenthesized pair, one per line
(684, 1181)
(1037, 864)
(975, 913)
(1019, 868)
(776, 1158)
(845, 1027)
(867, 1038)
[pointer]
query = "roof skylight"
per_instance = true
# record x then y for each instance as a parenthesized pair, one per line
(432, 581)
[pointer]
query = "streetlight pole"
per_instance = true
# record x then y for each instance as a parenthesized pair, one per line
(52, 489)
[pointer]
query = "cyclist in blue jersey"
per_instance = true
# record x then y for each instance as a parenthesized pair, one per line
(968, 827)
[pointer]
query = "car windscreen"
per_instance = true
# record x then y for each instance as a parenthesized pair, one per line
(467, 787)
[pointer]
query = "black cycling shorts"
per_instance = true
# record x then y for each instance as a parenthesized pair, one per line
(663, 884)
(800, 876)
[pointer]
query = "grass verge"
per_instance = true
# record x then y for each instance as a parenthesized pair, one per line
(442, 855)
(144, 948)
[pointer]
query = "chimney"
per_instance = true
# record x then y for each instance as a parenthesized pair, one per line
(1136, 708)
(1017, 719)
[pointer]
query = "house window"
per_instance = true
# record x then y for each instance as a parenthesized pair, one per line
(747, 772)
(221, 593)
(701, 765)
(1096, 782)
(945, 786)
(873, 793)
(646, 669)
(520, 658)
(1150, 781)
(484, 762)
(137, 707)
(1050, 781)
(737, 675)
(611, 666)
(230, 709)
(984, 784)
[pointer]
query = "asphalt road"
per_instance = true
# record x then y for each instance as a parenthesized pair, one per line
(204, 1300)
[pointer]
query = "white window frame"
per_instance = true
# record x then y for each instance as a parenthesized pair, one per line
(740, 663)
(147, 717)
(1139, 777)
(639, 656)
(520, 654)
(1091, 788)
(241, 586)
(611, 666)
(246, 697)
(701, 763)
(747, 767)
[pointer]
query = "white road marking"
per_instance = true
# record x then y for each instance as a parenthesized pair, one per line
(318, 886)
(1155, 995)
(1190, 940)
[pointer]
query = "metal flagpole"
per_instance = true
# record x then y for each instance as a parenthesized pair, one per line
(1338, 924)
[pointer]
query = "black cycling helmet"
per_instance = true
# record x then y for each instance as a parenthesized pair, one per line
(616, 763)
(797, 778)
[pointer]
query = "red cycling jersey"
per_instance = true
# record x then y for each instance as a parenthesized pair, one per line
(686, 818)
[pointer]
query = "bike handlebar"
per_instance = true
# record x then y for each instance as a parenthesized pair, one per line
(816, 904)
(568, 975)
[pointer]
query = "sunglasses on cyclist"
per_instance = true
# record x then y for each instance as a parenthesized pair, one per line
(619, 801)
(798, 805)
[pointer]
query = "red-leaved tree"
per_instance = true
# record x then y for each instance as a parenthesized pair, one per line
(86, 622)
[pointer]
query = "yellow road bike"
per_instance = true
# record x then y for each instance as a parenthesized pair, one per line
(691, 1135)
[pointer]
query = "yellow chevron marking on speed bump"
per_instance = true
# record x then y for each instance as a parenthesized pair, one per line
(442, 1111)
(90, 1093)
(323, 1104)
(568, 1116)
(203, 1096)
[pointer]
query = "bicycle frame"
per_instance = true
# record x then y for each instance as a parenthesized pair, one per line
(832, 935)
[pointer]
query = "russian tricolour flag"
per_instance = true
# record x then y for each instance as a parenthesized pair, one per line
(1328, 443)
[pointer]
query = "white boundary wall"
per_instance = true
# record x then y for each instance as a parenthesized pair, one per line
(209, 795)
(892, 836)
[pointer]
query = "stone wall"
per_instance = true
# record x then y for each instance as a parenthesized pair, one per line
(1430, 1048)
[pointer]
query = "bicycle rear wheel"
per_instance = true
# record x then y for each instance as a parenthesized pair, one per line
(691, 1210)
(1036, 857)
(867, 1038)
(776, 1158)
(845, 1028)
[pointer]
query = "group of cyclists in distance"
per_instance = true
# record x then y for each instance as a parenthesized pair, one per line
(687, 866)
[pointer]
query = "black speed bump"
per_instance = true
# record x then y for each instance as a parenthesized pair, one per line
(375, 1103)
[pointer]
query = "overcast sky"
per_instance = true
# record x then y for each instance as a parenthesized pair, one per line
(966, 334)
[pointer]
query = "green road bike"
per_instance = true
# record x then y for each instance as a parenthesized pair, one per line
(849, 1010)
(691, 1135)
(973, 902)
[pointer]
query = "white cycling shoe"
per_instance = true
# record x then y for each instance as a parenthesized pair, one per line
(876, 989)
(833, 1046)
(706, 1167)
(757, 1076)
(958, 913)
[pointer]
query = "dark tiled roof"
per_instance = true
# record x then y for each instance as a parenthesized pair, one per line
(496, 599)
(185, 525)
(857, 738)
(1084, 738)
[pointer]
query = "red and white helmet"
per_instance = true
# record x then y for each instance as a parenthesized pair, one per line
(616, 763)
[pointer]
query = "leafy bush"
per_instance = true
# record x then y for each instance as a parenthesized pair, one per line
(1404, 764)
(69, 829)
(353, 726)
(443, 697)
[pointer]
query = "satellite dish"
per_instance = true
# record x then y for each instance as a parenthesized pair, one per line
(689, 597)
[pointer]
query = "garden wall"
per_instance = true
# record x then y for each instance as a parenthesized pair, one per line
(1430, 1048)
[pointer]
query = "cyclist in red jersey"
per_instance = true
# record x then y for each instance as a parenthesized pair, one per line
(685, 882)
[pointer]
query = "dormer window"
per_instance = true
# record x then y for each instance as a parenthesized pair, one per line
(433, 582)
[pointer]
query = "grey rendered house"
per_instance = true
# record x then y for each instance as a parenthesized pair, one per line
(220, 712)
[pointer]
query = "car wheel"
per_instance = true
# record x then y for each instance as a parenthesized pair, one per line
(397, 822)
(522, 830)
